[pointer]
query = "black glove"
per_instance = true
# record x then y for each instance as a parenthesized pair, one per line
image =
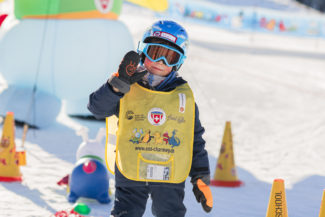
(202, 192)
(127, 72)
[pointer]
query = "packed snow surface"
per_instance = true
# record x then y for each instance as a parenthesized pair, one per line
(271, 88)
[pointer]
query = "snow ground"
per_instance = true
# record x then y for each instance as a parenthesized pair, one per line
(271, 88)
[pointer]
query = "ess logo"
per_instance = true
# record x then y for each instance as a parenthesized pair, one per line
(104, 6)
(156, 116)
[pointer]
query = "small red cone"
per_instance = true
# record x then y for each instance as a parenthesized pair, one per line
(225, 174)
(9, 159)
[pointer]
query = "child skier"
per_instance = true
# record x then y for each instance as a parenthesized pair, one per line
(159, 138)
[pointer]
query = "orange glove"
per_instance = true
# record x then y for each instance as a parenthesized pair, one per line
(203, 193)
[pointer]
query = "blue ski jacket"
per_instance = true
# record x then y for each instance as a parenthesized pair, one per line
(105, 102)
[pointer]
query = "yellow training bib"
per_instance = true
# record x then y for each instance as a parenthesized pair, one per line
(155, 135)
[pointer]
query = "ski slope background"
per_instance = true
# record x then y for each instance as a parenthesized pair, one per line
(271, 88)
(280, 5)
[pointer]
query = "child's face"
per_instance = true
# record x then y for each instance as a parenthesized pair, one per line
(157, 68)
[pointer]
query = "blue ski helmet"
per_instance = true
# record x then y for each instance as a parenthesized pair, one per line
(168, 33)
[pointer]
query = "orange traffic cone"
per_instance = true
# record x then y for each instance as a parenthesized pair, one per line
(9, 163)
(322, 206)
(277, 203)
(225, 174)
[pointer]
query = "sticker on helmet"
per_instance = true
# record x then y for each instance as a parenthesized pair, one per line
(166, 35)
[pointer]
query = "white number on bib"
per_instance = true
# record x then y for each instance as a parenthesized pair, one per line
(157, 172)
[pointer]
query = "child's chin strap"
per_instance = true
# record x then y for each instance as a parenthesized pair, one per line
(169, 79)
(153, 80)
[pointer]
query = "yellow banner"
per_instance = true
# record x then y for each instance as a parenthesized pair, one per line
(156, 5)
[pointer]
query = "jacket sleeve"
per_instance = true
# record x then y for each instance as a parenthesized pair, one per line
(200, 161)
(104, 102)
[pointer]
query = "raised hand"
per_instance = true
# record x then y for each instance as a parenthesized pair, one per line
(127, 72)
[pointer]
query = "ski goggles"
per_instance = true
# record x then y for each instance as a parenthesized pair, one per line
(156, 52)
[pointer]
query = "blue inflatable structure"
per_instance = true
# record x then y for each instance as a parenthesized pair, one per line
(61, 58)
(89, 179)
